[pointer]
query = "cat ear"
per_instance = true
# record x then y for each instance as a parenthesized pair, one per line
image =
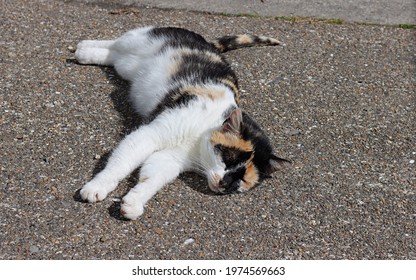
(233, 123)
(276, 164)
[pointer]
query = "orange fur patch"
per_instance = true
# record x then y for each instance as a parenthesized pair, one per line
(219, 46)
(231, 141)
(244, 39)
(210, 55)
(213, 56)
(174, 67)
(233, 87)
(212, 94)
(251, 177)
(177, 61)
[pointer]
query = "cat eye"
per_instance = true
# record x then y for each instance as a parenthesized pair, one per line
(232, 156)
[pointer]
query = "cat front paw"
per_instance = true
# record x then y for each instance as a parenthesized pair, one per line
(93, 192)
(131, 208)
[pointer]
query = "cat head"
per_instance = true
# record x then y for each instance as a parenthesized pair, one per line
(241, 155)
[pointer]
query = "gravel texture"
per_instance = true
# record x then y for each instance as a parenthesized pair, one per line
(338, 100)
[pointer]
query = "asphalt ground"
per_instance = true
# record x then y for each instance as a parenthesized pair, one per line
(365, 11)
(336, 99)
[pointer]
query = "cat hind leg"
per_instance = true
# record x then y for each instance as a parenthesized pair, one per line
(95, 52)
(104, 44)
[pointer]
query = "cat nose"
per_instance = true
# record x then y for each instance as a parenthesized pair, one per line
(226, 180)
(228, 184)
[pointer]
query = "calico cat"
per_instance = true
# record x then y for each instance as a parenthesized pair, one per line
(187, 93)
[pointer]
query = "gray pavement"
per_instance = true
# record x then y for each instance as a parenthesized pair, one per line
(363, 11)
(338, 100)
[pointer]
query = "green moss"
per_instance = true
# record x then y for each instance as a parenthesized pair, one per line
(333, 21)
(297, 19)
(368, 24)
(288, 18)
(407, 26)
(239, 15)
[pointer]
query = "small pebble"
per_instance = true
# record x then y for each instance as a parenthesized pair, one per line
(33, 249)
(189, 241)
(292, 131)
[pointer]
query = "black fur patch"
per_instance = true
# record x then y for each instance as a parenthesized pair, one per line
(199, 67)
(232, 156)
(231, 180)
(175, 98)
(182, 38)
(263, 150)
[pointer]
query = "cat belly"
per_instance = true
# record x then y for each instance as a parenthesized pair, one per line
(151, 83)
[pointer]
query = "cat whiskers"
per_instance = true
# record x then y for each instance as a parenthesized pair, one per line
(205, 169)
(197, 165)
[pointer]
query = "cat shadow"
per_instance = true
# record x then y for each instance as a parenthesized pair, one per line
(197, 183)
(130, 120)
(119, 97)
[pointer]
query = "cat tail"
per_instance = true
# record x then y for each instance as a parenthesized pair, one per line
(228, 43)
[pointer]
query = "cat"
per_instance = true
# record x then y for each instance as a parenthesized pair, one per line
(188, 95)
